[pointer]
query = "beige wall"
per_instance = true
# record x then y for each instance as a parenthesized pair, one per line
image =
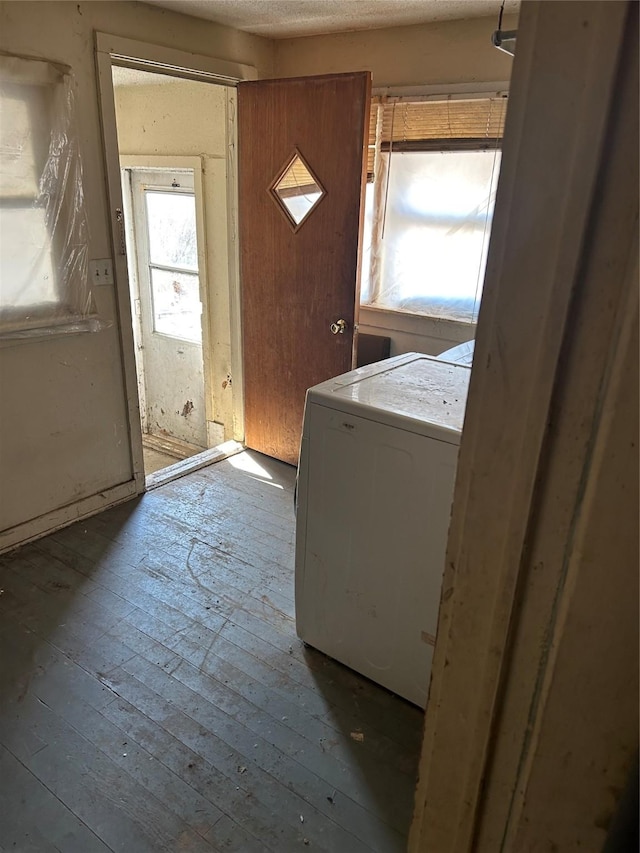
(444, 52)
(414, 333)
(152, 121)
(63, 425)
(179, 117)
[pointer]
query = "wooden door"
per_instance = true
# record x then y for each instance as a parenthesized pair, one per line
(301, 162)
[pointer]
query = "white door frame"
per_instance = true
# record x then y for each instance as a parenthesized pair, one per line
(554, 152)
(114, 50)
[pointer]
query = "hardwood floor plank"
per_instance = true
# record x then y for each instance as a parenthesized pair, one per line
(257, 745)
(384, 793)
(195, 557)
(242, 764)
(286, 664)
(64, 686)
(33, 820)
(310, 667)
(93, 661)
(231, 793)
(241, 698)
(278, 707)
(116, 809)
(155, 694)
(68, 691)
(263, 607)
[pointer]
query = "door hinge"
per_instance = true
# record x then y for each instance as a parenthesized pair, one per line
(137, 307)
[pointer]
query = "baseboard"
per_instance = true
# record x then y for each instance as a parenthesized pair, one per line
(36, 528)
(57, 518)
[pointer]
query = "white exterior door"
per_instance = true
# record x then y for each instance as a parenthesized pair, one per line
(168, 306)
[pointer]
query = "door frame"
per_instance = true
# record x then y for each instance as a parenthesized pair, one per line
(534, 285)
(113, 50)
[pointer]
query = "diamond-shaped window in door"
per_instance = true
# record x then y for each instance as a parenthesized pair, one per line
(297, 191)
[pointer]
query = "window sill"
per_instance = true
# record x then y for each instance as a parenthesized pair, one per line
(416, 324)
(15, 332)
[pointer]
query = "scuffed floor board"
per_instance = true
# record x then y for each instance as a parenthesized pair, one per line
(156, 696)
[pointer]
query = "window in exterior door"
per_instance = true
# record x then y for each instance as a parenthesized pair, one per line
(297, 191)
(173, 264)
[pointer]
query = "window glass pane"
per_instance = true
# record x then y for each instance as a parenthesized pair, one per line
(172, 229)
(176, 304)
(44, 283)
(301, 205)
(297, 190)
(438, 219)
(365, 276)
(27, 276)
(24, 137)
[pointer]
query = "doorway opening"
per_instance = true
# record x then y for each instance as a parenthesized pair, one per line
(172, 144)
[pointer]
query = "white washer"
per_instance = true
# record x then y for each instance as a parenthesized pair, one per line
(376, 476)
(462, 354)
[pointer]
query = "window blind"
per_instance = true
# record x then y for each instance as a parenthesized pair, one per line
(296, 180)
(430, 125)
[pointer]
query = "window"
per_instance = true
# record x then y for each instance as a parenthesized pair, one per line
(43, 231)
(296, 191)
(433, 170)
(163, 255)
(173, 263)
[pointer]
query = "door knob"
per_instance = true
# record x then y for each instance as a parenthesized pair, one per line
(339, 327)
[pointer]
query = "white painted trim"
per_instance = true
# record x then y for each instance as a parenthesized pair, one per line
(541, 218)
(115, 50)
(415, 324)
(61, 517)
(168, 60)
(121, 275)
(153, 162)
(134, 296)
(441, 91)
(208, 346)
(235, 310)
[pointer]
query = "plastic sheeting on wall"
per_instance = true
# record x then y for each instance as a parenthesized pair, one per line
(44, 282)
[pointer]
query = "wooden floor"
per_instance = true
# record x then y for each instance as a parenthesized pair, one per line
(154, 696)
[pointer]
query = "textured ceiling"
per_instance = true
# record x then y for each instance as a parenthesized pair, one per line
(291, 18)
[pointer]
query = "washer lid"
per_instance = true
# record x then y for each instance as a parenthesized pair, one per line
(416, 391)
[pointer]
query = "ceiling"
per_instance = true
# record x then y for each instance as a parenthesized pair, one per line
(290, 18)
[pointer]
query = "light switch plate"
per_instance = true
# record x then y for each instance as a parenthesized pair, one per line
(101, 271)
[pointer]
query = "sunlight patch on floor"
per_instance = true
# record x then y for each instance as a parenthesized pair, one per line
(245, 462)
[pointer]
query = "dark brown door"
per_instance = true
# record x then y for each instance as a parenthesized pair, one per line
(301, 161)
